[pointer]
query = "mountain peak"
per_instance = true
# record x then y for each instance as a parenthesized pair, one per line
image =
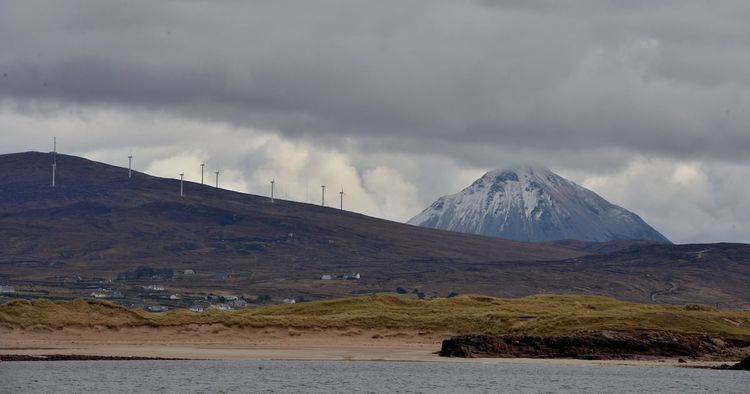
(522, 168)
(529, 202)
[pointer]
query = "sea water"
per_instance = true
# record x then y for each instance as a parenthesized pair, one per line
(357, 376)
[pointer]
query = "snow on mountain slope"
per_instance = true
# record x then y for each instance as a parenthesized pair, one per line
(531, 203)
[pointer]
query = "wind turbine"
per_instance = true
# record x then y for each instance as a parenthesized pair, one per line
(203, 166)
(272, 182)
(130, 165)
(217, 179)
(342, 197)
(54, 160)
(323, 195)
(182, 176)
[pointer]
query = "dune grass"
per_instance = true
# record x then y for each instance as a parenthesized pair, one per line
(538, 315)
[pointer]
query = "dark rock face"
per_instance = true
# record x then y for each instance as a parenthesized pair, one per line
(743, 365)
(592, 346)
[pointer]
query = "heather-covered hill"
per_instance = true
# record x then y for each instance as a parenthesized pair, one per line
(97, 223)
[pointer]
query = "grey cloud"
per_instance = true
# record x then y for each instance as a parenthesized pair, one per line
(668, 79)
(437, 90)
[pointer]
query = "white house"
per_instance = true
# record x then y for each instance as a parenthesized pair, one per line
(106, 293)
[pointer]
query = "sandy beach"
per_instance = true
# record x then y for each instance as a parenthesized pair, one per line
(216, 342)
(219, 342)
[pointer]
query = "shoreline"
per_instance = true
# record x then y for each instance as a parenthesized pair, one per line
(268, 354)
(269, 344)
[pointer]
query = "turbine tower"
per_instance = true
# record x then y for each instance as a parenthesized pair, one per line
(323, 195)
(272, 182)
(342, 197)
(54, 160)
(203, 166)
(130, 165)
(217, 179)
(182, 176)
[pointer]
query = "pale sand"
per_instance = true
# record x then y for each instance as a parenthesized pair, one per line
(218, 342)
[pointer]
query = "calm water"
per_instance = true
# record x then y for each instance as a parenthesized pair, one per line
(345, 377)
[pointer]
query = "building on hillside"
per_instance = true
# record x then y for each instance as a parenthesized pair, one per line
(238, 303)
(106, 293)
(7, 289)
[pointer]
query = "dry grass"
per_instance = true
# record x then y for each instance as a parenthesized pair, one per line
(543, 315)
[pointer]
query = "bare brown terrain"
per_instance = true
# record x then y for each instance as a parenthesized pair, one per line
(98, 229)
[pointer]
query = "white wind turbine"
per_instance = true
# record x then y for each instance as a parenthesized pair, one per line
(182, 176)
(54, 161)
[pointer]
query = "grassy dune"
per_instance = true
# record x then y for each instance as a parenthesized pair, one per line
(540, 315)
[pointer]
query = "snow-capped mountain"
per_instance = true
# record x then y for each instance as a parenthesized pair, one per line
(531, 203)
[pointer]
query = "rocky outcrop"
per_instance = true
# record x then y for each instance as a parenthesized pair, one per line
(743, 365)
(597, 345)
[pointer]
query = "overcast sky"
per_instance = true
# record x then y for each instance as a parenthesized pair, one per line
(398, 102)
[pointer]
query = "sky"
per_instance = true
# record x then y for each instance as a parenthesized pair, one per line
(398, 102)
